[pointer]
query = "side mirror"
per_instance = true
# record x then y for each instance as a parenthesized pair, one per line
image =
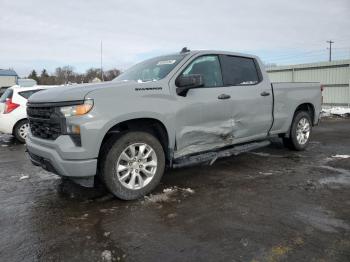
(185, 83)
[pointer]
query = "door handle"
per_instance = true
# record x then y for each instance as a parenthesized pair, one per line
(224, 96)
(265, 93)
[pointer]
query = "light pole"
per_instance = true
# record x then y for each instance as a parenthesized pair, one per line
(101, 63)
(330, 49)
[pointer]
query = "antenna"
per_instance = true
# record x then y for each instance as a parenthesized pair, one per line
(184, 50)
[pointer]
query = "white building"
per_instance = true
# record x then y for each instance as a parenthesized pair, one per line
(26, 82)
(7, 78)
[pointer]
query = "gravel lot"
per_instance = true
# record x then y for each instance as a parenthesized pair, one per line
(269, 205)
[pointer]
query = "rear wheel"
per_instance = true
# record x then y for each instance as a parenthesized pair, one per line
(300, 132)
(132, 165)
(21, 130)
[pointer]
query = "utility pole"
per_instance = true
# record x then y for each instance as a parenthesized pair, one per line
(330, 49)
(101, 63)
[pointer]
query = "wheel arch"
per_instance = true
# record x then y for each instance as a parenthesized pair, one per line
(151, 125)
(307, 107)
(15, 125)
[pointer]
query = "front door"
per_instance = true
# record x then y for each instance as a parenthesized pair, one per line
(203, 121)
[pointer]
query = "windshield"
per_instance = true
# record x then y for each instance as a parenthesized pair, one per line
(151, 70)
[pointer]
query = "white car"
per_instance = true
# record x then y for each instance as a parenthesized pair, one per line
(13, 113)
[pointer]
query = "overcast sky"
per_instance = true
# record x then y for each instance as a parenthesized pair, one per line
(47, 34)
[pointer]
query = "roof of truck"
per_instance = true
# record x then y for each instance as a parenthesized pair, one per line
(220, 52)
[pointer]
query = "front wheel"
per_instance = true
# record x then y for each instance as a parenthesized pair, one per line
(132, 165)
(300, 132)
(21, 130)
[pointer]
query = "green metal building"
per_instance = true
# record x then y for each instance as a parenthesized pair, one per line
(334, 76)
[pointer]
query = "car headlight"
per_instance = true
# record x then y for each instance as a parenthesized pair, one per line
(77, 110)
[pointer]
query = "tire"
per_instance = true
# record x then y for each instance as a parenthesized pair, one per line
(300, 132)
(20, 130)
(130, 176)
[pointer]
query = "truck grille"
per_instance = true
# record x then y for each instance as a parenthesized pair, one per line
(44, 121)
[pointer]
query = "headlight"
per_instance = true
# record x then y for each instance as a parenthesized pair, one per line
(77, 110)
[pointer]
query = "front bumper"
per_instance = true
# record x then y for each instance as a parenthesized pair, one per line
(49, 159)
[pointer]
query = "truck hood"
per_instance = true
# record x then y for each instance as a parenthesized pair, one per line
(74, 92)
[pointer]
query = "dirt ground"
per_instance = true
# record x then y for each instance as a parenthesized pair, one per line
(269, 205)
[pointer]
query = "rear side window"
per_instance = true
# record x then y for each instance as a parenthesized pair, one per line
(7, 95)
(27, 94)
(238, 70)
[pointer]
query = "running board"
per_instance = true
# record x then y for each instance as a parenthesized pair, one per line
(211, 157)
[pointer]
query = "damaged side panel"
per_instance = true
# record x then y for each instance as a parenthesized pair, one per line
(203, 121)
(206, 137)
(206, 123)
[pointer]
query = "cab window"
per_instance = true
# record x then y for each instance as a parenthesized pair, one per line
(209, 67)
(238, 71)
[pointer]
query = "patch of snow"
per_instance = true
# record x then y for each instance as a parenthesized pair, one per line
(340, 111)
(341, 179)
(167, 194)
(266, 173)
(106, 256)
(169, 190)
(162, 197)
(172, 215)
(244, 242)
(44, 175)
(265, 154)
(24, 177)
(341, 156)
(189, 190)
(106, 234)
(260, 154)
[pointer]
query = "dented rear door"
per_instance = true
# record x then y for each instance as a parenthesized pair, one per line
(251, 99)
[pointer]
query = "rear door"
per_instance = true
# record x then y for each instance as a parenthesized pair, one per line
(251, 97)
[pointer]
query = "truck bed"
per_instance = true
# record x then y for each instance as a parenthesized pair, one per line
(287, 97)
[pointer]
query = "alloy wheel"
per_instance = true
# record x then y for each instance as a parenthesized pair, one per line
(136, 166)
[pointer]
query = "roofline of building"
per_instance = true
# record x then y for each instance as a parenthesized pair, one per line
(327, 64)
(8, 72)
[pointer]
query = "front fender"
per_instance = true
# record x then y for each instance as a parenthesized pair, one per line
(108, 125)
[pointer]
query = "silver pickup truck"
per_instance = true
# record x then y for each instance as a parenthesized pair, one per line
(169, 111)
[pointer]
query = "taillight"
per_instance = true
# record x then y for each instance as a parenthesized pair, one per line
(321, 88)
(9, 106)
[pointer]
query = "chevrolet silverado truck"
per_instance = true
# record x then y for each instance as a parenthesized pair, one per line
(169, 111)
